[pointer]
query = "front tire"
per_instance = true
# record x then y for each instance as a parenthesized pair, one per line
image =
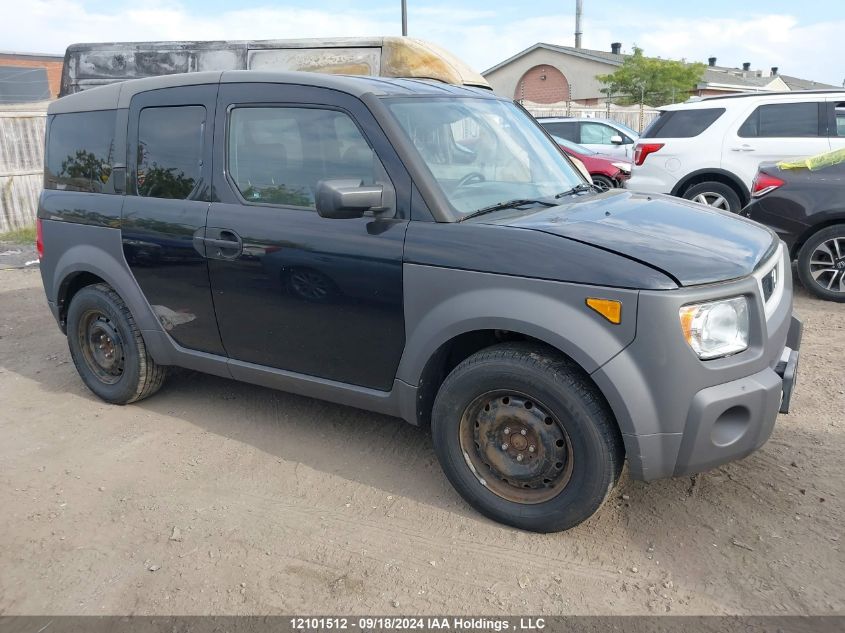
(526, 438)
(715, 194)
(821, 263)
(603, 183)
(108, 349)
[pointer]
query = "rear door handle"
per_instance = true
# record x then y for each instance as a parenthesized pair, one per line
(228, 244)
(222, 243)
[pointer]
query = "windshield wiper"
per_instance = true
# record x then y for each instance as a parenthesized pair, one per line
(581, 188)
(509, 204)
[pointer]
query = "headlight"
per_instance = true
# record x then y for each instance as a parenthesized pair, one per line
(624, 167)
(716, 328)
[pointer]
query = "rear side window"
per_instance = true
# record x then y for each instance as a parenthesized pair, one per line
(682, 123)
(279, 155)
(80, 147)
(839, 113)
(169, 151)
(563, 129)
(778, 120)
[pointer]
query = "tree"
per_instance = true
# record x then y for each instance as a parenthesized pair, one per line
(656, 81)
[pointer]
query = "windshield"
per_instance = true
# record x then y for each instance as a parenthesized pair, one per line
(483, 152)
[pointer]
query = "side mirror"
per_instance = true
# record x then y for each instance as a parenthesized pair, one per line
(344, 199)
(616, 139)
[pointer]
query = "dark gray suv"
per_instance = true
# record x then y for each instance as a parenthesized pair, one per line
(420, 250)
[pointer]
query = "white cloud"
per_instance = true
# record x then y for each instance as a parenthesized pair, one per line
(763, 40)
(483, 38)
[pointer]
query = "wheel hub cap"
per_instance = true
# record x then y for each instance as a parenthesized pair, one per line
(516, 447)
(827, 264)
(102, 346)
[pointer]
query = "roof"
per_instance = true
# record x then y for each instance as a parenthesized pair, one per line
(795, 83)
(119, 95)
(721, 75)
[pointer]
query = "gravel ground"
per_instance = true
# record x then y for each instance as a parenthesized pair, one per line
(15, 255)
(224, 498)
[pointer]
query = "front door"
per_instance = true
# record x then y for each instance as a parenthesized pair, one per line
(293, 290)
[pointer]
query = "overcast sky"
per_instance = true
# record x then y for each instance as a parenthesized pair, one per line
(802, 38)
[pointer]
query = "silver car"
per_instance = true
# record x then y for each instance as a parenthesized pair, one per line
(600, 135)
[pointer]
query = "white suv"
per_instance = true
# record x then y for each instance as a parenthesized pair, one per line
(709, 150)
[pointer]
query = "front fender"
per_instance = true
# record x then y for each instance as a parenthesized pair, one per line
(442, 303)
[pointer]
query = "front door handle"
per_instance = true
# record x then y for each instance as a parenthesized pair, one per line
(743, 148)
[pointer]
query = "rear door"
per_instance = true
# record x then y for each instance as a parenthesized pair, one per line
(293, 290)
(773, 132)
(165, 208)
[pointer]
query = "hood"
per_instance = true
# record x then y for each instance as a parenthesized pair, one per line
(691, 243)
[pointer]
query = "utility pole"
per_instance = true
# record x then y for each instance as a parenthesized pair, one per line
(404, 18)
(579, 8)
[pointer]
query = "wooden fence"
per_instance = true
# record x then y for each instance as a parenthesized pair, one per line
(21, 165)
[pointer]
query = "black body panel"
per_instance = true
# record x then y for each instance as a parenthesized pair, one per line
(159, 233)
(491, 248)
(80, 208)
(807, 201)
(691, 243)
(354, 332)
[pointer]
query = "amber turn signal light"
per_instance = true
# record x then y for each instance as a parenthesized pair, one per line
(608, 308)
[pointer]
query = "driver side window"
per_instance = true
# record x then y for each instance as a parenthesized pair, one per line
(278, 155)
(596, 134)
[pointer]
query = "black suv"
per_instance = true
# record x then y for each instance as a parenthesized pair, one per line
(806, 208)
(421, 250)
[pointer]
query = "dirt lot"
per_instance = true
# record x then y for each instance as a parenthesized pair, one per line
(220, 497)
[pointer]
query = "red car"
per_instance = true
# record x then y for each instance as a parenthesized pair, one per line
(607, 172)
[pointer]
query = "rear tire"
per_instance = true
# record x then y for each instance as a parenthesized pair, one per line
(821, 263)
(715, 194)
(502, 401)
(108, 349)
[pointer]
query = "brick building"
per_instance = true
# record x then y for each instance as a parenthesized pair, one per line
(29, 76)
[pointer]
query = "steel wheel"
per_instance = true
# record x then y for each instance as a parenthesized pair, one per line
(516, 447)
(102, 346)
(827, 265)
(712, 199)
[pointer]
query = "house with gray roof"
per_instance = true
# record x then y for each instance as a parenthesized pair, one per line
(548, 73)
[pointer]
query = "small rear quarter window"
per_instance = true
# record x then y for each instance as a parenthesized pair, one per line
(682, 123)
(80, 148)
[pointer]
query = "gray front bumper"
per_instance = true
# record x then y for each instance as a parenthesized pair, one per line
(679, 414)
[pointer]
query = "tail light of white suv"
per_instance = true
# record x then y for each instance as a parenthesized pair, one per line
(642, 150)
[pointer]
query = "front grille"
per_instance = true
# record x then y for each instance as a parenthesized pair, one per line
(769, 283)
(770, 280)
